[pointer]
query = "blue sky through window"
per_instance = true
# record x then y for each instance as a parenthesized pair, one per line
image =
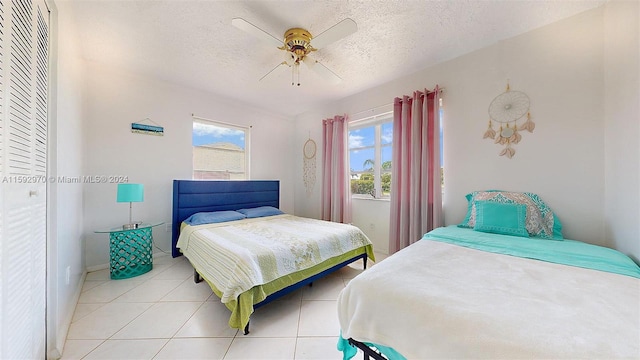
(387, 134)
(364, 138)
(357, 139)
(204, 134)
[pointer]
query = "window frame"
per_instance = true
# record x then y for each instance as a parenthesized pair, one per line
(247, 143)
(377, 122)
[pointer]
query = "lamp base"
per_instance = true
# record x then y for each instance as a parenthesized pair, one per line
(130, 226)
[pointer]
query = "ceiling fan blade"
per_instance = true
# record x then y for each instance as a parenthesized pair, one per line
(275, 71)
(338, 31)
(249, 28)
(322, 70)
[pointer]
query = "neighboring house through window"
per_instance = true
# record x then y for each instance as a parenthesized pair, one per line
(220, 150)
(370, 141)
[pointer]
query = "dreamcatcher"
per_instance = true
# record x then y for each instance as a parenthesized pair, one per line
(506, 109)
(309, 165)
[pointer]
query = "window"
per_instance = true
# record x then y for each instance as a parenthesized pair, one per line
(370, 154)
(220, 151)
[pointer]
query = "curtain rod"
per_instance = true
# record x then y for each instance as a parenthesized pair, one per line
(440, 90)
(372, 109)
(221, 122)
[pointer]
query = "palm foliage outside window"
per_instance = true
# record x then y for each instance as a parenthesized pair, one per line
(370, 156)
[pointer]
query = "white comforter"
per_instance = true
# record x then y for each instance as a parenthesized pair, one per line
(434, 300)
(236, 256)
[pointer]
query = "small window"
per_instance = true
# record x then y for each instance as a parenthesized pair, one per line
(370, 155)
(220, 151)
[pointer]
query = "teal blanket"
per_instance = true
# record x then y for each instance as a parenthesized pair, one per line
(566, 252)
(349, 351)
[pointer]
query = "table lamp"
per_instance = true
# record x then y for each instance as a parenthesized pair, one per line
(130, 193)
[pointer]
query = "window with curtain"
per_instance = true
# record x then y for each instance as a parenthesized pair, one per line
(220, 150)
(370, 154)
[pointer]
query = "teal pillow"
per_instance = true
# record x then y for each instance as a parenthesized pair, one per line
(557, 228)
(469, 197)
(541, 222)
(465, 222)
(501, 218)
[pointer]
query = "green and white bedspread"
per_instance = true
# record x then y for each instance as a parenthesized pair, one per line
(236, 256)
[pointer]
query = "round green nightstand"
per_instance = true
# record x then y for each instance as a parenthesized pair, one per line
(130, 250)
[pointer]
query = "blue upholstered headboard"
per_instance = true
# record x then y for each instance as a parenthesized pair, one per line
(192, 196)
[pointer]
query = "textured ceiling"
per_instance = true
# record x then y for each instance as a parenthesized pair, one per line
(193, 42)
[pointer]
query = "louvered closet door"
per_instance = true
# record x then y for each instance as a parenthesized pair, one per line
(23, 168)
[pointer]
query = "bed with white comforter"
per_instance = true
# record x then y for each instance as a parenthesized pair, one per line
(459, 293)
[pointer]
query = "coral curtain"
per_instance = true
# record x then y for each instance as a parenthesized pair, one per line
(336, 194)
(416, 194)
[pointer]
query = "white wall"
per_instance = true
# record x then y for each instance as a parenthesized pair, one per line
(622, 125)
(308, 126)
(560, 67)
(114, 99)
(65, 216)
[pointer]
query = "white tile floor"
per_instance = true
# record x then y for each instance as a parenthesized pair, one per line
(163, 314)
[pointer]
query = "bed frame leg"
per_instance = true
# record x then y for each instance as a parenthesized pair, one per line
(196, 277)
(367, 352)
(365, 262)
(246, 329)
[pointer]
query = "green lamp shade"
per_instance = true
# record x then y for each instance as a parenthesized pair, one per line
(130, 193)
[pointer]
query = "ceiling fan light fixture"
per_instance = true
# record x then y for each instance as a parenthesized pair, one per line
(298, 42)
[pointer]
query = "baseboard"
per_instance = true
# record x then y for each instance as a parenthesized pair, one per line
(157, 255)
(97, 267)
(63, 330)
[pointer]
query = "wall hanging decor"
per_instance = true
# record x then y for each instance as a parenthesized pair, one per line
(309, 165)
(506, 109)
(148, 127)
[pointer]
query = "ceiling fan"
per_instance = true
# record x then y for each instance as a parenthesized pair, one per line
(298, 43)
